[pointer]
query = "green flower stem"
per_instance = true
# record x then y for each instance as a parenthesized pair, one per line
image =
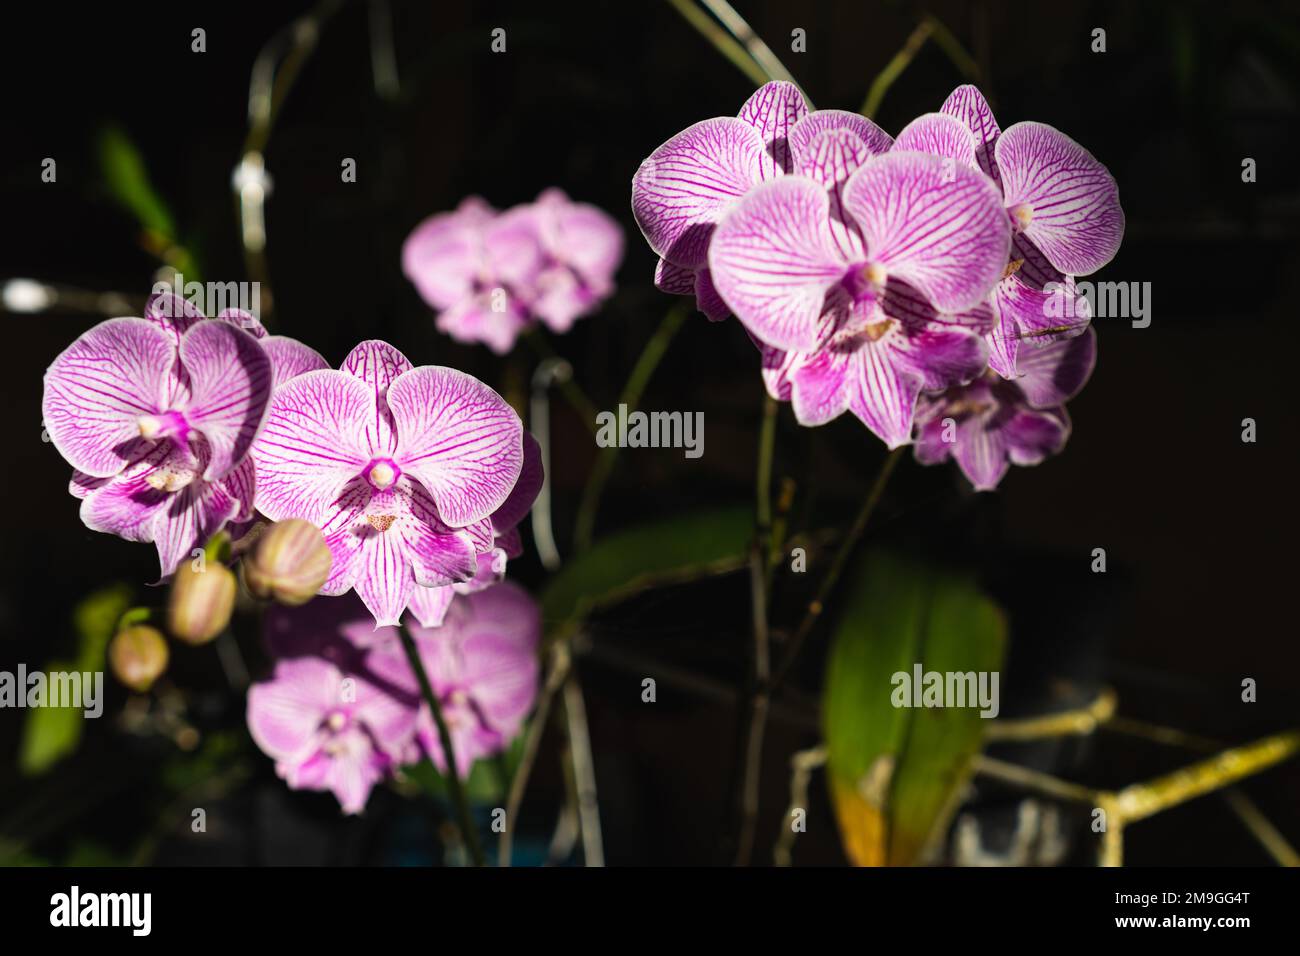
(454, 787)
(723, 43)
(570, 389)
(818, 603)
(645, 367)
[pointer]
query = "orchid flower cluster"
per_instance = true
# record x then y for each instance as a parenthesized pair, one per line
(343, 711)
(178, 426)
(491, 275)
(895, 278)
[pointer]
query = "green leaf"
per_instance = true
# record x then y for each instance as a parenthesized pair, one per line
(52, 733)
(895, 772)
(617, 566)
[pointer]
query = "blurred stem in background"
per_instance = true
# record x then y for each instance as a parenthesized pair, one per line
(646, 364)
(274, 72)
(930, 28)
(469, 835)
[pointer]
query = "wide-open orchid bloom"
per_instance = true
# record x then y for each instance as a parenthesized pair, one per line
(401, 467)
(491, 275)
(157, 416)
(864, 275)
(328, 728)
(991, 423)
(1063, 205)
(682, 191)
(482, 664)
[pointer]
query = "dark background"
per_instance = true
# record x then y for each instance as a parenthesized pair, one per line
(1199, 528)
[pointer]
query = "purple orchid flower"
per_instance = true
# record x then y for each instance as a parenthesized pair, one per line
(991, 423)
(329, 728)
(491, 275)
(466, 264)
(1064, 209)
(157, 416)
(401, 467)
(863, 277)
(581, 246)
(687, 185)
(482, 664)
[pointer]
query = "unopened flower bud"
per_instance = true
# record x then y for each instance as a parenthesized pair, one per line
(289, 564)
(138, 656)
(201, 602)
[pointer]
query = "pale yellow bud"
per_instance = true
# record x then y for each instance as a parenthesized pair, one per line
(289, 564)
(138, 656)
(201, 602)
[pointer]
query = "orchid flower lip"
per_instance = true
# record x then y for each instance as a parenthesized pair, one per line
(1022, 214)
(382, 473)
(169, 424)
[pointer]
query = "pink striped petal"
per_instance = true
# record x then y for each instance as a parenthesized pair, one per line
(521, 498)
(819, 387)
(942, 230)
(981, 452)
(377, 363)
(967, 104)
(1032, 435)
(830, 158)
(939, 135)
(429, 605)
(686, 185)
(1055, 373)
(245, 320)
(290, 358)
(872, 136)
(312, 444)
(458, 438)
(939, 355)
(773, 110)
(1072, 202)
(173, 314)
(438, 555)
(675, 280)
(230, 385)
(100, 386)
(342, 526)
(882, 395)
(707, 299)
(126, 504)
(773, 262)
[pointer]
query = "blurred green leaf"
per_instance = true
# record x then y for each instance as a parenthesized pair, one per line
(895, 772)
(617, 566)
(128, 182)
(52, 733)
